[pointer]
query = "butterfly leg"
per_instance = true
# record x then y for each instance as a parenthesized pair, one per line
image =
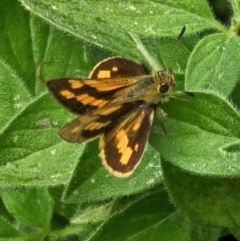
(162, 116)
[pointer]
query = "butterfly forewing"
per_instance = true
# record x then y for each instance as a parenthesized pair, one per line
(82, 96)
(116, 67)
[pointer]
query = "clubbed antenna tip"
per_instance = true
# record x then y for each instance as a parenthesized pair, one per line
(182, 32)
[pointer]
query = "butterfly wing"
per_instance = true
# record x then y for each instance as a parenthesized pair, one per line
(116, 67)
(95, 123)
(84, 95)
(108, 80)
(122, 147)
(124, 130)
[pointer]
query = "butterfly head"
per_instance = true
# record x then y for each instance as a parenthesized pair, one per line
(165, 81)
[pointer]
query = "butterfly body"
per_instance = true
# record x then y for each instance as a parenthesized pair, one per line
(117, 104)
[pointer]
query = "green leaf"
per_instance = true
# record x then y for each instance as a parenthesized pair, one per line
(236, 7)
(199, 233)
(203, 135)
(143, 17)
(97, 24)
(7, 230)
(91, 181)
(33, 207)
(86, 25)
(13, 94)
(36, 129)
(138, 17)
(211, 65)
(235, 232)
(206, 201)
(15, 45)
(145, 218)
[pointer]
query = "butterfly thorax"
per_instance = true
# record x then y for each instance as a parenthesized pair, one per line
(147, 88)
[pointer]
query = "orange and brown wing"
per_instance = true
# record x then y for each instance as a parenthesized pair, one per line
(108, 80)
(116, 67)
(91, 125)
(84, 95)
(123, 145)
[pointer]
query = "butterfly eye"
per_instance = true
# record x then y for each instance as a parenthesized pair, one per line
(163, 88)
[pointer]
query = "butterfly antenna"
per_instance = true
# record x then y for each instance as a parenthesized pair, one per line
(179, 98)
(175, 46)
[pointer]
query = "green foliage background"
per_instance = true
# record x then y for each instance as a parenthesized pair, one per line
(187, 185)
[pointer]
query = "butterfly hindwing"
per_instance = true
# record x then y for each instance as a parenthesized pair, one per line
(96, 123)
(122, 147)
